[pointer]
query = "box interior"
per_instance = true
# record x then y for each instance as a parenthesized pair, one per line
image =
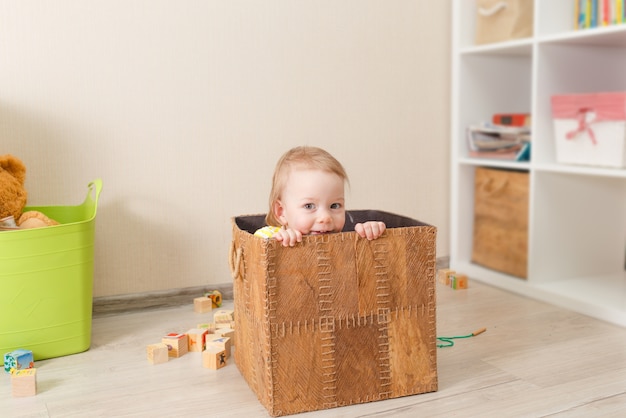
(251, 223)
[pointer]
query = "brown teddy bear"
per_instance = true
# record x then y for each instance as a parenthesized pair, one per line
(13, 197)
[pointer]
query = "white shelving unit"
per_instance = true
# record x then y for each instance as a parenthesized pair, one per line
(577, 214)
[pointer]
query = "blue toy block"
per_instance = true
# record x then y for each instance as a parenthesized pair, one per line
(18, 359)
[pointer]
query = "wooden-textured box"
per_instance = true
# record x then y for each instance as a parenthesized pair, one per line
(336, 320)
(500, 239)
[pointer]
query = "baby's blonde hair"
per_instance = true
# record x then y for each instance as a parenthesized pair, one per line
(304, 157)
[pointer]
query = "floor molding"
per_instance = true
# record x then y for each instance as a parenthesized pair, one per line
(156, 300)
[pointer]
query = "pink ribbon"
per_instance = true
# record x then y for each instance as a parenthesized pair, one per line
(583, 126)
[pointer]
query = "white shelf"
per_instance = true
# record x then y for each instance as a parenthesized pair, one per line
(585, 171)
(480, 162)
(577, 214)
(602, 297)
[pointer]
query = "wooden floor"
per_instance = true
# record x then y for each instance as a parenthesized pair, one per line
(535, 360)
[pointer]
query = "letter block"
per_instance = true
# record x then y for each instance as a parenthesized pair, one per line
(223, 318)
(209, 326)
(444, 276)
(202, 305)
(222, 343)
(458, 281)
(226, 332)
(213, 358)
(24, 382)
(157, 353)
(177, 344)
(197, 339)
(18, 359)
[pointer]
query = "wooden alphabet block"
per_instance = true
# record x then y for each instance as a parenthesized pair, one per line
(209, 326)
(444, 276)
(202, 304)
(18, 359)
(213, 358)
(24, 382)
(157, 353)
(222, 343)
(458, 281)
(226, 332)
(177, 344)
(223, 318)
(197, 339)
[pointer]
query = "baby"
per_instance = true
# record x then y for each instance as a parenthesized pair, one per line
(307, 198)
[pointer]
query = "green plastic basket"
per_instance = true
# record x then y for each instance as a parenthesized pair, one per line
(46, 276)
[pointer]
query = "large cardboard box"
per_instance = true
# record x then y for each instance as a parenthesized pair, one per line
(590, 129)
(336, 320)
(46, 277)
(500, 239)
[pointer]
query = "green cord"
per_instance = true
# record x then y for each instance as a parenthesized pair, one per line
(447, 341)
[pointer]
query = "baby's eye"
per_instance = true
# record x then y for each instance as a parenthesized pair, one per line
(309, 206)
(335, 206)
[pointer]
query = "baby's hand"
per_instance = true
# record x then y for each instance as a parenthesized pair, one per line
(370, 230)
(289, 237)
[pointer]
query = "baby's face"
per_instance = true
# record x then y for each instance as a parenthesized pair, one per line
(312, 202)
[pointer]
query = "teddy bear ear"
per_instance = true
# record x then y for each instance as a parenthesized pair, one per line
(13, 165)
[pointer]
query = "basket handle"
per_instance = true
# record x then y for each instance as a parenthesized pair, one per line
(95, 187)
(493, 9)
(496, 189)
(234, 260)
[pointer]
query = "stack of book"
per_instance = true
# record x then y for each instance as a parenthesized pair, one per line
(489, 140)
(596, 13)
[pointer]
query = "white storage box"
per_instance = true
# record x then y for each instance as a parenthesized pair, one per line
(590, 128)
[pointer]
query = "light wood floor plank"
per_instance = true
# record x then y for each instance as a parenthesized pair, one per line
(534, 360)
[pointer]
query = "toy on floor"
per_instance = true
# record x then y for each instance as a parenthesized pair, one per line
(202, 304)
(177, 344)
(157, 353)
(448, 341)
(24, 382)
(216, 298)
(208, 302)
(452, 279)
(13, 197)
(213, 339)
(224, 318)
(226, 332)
(458, 281)
(209, 326)
(18, 359)
(197, 339)
(223, 343)
(213, 358)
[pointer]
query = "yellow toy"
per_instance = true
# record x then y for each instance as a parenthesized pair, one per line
(216, 298)
(13, 197)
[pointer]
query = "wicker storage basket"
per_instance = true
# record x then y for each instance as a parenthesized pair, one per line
(336, 320)
(503, 20)
(501, 220)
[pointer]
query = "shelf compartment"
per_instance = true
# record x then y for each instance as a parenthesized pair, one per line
(581, 221)
(491, 84)
(602, 297)
(565, 69)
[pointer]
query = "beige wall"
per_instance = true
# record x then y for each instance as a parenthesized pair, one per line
(182, 108)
